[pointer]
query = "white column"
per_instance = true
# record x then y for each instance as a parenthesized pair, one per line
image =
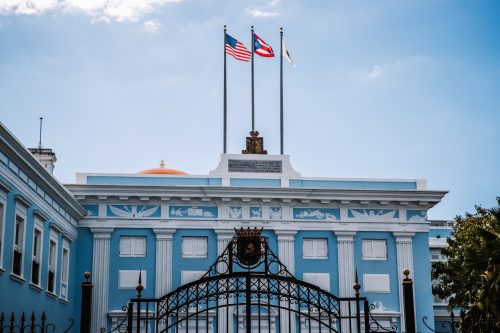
(100, 277)
(404, 252)
(286, 245)
(223, 239)
(345, 245)
(286, 254)
(164, 239)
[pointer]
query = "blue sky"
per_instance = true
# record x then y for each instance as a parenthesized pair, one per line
(390, 89)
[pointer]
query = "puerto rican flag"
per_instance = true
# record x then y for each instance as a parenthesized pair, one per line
(262, 48)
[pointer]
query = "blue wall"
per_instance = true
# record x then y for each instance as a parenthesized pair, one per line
(389, 266)
(120, 297)
(18, 296)
(329, 265)
(191, 264)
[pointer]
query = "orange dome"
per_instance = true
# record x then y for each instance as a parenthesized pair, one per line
(162, 171)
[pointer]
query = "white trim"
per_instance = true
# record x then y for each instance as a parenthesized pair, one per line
(53, 237)
(64, 285)
(224, 236)
(100, 271)
(164, 238)
(22, 217)
(3, 204)
(404, 253)
(345, 245)
(37, 226)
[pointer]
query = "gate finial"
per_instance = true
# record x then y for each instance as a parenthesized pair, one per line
(139, 287)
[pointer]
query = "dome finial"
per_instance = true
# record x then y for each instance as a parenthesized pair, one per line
(162, 164)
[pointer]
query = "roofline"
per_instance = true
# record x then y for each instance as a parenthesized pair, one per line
(25, 160)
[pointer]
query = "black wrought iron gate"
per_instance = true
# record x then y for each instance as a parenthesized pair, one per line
(249, 290)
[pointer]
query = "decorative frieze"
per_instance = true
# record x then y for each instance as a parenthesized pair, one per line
(193, 212)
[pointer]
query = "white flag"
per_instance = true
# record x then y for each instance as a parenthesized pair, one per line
(286, 54)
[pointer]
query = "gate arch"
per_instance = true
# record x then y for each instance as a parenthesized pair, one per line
(249, 290)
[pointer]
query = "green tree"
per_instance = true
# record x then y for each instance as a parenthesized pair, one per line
(471, 275)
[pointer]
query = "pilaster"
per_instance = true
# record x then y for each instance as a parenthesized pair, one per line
(286, 254)
(404, 252)
(223, 238)
(164, 239)
(345, 245)
(100, 272)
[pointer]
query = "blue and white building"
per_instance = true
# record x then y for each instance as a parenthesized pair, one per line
(38, 234)
(171, 226)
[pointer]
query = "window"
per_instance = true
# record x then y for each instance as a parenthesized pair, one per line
(51, 275)
(17, 260)
(315, 248)
(194, 247)
(435, 255)
(2, 219)
(132, 246)
(374, 249)
(65, 271)
(37, 255)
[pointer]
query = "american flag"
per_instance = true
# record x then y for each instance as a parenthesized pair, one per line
(237, 49)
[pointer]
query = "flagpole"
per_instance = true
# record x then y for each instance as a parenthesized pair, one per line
(225, 96)
(281, 90)
(253, 105)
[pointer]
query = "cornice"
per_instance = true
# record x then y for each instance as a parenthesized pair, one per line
(421, 198)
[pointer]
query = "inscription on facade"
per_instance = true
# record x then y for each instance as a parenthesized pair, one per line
(255, 166)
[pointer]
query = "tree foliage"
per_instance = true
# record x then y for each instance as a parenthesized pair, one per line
(471, 275)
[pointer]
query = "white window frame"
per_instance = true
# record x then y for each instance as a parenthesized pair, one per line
(63, 284)
(54, 238)
(133, 250)
(315, 242)
(38, 226)
(3, 210)
(21, 248)
(195, 247)
(372, 242)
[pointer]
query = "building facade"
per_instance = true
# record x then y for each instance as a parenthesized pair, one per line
(170, 227)
(38, 234)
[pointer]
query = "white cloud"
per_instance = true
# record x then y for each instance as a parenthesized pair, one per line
(261, 13)
(114, 10)
(376, 72)
(151, 25)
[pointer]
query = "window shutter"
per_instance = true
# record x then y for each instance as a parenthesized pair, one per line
(187, 247)
(140, 246)
(322, 248)
(380, 249)
(307, 248)
(367, 249)
(201, 247)
(125, 246)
